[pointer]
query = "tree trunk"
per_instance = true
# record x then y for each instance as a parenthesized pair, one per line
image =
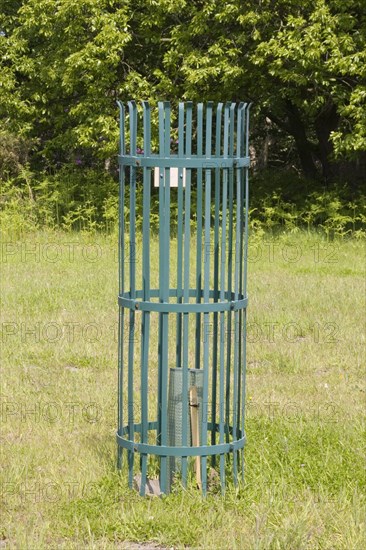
(304, 148)
(292, 124)
(325, 123)
(264, 153)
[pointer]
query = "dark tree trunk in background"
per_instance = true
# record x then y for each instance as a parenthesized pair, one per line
(325, 123)
(267, 142)
(304, 148)
(305, 152)
(316, 159)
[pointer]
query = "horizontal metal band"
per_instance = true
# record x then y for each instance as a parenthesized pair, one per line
(165, 307)
(154, 425)
(183, 162)
(165, 450)
(230, 304)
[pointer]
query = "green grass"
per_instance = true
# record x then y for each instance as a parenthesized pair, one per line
(304, 473)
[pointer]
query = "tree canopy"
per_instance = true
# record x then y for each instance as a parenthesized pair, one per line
(302, 63)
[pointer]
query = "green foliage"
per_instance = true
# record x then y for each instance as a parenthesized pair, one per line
(302, 63)
(68, 62)
(73, 198)
(87, 200)
(281, 202)
(64, 64)
(319, 60)
(17, 210)
(14, 151)
(353, 136)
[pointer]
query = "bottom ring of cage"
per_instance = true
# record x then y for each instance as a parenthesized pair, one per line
(163, 466)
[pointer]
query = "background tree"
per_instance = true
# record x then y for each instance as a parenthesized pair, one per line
(69, 62)
(301, 62)
(64, 64)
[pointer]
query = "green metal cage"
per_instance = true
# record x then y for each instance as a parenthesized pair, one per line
(182, 292)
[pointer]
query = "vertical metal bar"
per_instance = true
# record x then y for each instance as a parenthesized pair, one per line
(240, 153)
(199, 234)
(206, 295)
(222, 297)
(161, 265)
(164, 297)
(236, 296)
(121, 261)
(230, 267)
(246, 229)
(187, 241)
(216, 276)
(133, 141)
(120, 382)
(246, 198)
(145, 328)
(178, 361)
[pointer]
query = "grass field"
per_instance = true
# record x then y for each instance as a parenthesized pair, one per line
(304, 484)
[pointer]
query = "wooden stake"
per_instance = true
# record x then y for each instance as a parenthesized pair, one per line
(195, 430)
